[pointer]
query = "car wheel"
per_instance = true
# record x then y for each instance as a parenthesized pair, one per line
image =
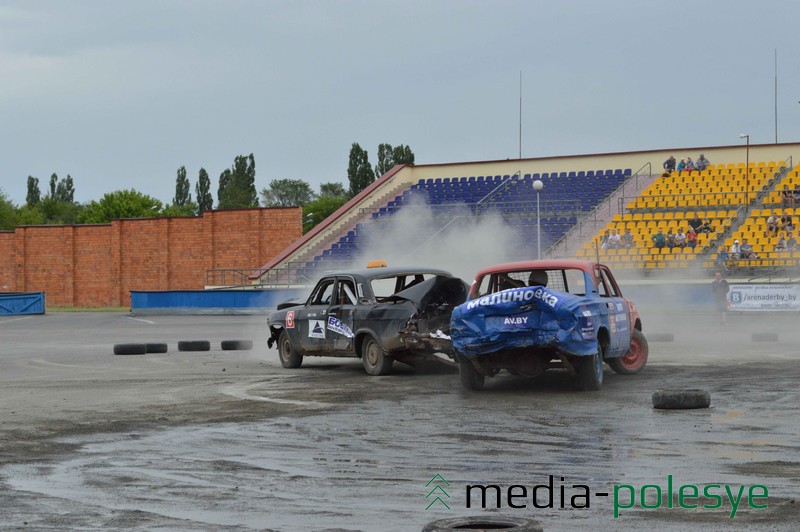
(634, 360)
(374, 358)
(289, 357)
(471, 378)
(590, 370)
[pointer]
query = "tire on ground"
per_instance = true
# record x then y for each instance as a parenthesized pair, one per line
(157, 348)
(681, 399)
(194, 345)
(660, 337)
(130, 349)
(487, 522)
(237, 345)
(764, 337)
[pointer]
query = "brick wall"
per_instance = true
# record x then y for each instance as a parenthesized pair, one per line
(98, 265)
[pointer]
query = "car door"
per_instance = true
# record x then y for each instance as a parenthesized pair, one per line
(310, 321)
(339, 323)
(618, 323)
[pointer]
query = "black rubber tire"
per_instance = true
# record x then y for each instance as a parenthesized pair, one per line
(289, 358)
(635, 359)
(484, 522)
(660, 337)
(130, 349)
(157, 348)
(194, 345)
(764, 337)
(590, 371)
(681, 399)
(374, 358)
(237, 345)
(471, 378)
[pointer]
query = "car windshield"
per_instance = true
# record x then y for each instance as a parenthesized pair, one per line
(562, 280)
(385, 287)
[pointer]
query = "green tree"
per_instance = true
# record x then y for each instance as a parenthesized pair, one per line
(205, 202)
(385, 160)
(239, 189)
(287, 193)
(359, 171)
(190, 209)
(8, 213)
(120, 204)
(183, 196)
(65, 190)
(58, 212)
(319, 209)
(27, 215)
(34, 194)
(402, 155)
(332, 190)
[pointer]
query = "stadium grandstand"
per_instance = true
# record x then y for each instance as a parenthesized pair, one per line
(582, 197)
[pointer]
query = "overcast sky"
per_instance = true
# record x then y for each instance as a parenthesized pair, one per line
(120, 94)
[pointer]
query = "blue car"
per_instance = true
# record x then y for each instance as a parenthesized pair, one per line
(527, 317)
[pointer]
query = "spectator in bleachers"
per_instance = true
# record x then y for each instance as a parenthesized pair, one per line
(797, 194)
(791, 243)
(702, 163)
(627, 238)
(721, 261)
(780, 245)
(614, 241)
(736, 251)
(690, 165)
(604, 240)
(681, 166)
(786, 222)
(772, 225)
(746, 250)
(680, 238)
(691, 237)
(669, 164)
(658, 239)
(787, 196)
(695, 223)
(670, 238)
(706, 227)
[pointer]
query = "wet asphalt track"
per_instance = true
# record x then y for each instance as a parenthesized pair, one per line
(337, 449)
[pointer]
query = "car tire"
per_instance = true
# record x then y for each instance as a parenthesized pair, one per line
(374, 358)
(237, 345)
(194, 345)
(634, 360)
(130, 349)
(590, 371)
(471, 378)
(484, 522)
(681, 399)
(157, 348)
(290, 358)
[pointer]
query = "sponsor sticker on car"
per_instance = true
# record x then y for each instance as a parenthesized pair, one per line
(336, 325)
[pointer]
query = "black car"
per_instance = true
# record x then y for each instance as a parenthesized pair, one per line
(379, 314)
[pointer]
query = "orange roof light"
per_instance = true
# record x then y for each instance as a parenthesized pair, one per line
(376, 264)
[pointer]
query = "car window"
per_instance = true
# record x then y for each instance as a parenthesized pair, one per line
(322, 294)
(602, 287)
(347, 292)
(570, 280)
(612, 290)
(386, 286)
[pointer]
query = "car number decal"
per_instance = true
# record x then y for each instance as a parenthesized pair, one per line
(290, 319)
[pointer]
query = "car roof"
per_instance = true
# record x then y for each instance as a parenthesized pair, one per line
(554, 264)
(394, 271)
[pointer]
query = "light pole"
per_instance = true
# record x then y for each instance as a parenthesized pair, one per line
(538, 186)
(746, 171)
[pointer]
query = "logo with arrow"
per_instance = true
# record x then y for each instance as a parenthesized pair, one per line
(437, 491)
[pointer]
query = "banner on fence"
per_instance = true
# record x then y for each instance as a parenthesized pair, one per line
(770, 297)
